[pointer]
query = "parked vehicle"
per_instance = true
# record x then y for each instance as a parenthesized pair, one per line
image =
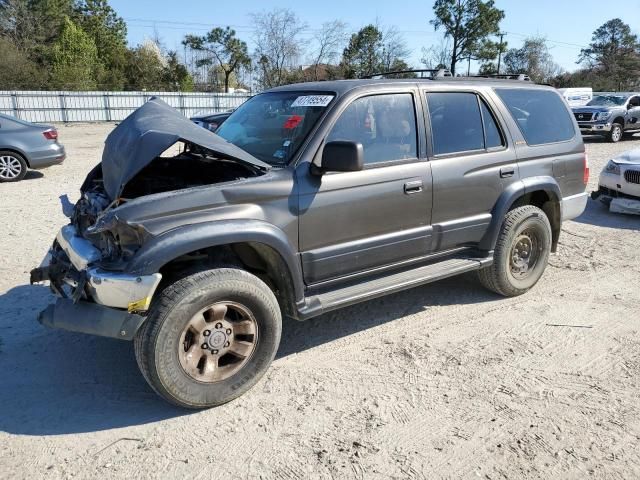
(309, 198)
(619, 183)
(25, 145)
(211, 121)
(611, 115)
(577, 96)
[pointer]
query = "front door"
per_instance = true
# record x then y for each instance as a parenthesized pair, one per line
(353, 222)
(633, 113)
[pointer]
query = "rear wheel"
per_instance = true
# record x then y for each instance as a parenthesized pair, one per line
(615, 134)
(13, 167)
(521, 253)
(209, 337)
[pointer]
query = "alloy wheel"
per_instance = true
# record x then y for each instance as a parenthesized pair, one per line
(218, 341)
(10, 167)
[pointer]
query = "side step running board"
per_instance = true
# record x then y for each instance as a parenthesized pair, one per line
(343, 297)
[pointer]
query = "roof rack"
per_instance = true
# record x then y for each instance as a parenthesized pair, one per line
(433, 73)
(522, 77)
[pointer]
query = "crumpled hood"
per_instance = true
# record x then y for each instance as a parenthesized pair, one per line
(632, 157)
(147, 133)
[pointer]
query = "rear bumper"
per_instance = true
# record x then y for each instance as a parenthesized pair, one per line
(53, 155)
(91, 318)
(574, 205)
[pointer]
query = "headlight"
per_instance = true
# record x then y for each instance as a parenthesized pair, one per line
(603, 115)
(612, 167)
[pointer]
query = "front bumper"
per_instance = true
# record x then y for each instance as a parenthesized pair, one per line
(574, 205)
(91, 318)
(93, 300)
(594, 128)
(615, 184)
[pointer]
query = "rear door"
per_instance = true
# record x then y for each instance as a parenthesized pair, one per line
(354, 222)
(473, 161)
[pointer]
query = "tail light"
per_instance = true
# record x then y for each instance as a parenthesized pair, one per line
(585, 175)
(51, 134)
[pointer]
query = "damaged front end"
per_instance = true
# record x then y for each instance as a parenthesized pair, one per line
(87, 264)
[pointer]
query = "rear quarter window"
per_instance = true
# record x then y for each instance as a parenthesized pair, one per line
(541, 115)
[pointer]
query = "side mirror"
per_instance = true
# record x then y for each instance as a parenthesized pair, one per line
(341, 156)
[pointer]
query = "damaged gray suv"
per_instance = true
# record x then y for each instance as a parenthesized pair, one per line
(309, 198)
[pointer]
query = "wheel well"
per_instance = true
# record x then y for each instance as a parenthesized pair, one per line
(17, 152)
(550, 205)
(619, 120)
(257, 258)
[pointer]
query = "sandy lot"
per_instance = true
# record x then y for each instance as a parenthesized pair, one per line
(444, 380)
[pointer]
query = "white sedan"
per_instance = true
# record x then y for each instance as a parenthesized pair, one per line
(619, 183)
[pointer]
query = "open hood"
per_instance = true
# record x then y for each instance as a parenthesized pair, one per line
(147, 133)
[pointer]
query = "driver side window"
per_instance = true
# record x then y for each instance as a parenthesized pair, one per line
(634, 102)
(385, 125)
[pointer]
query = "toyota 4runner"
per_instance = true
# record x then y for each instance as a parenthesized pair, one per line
(309, 198)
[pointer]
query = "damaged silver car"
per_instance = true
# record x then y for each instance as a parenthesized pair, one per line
(619, 183)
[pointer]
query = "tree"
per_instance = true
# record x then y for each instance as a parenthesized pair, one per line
(109, 33)
(534, 59)
(145, 67)
(18, 72)
(75, 58)
(469, 24)
(330, 39)
(372, 51)
(222, 47)
(278, 45)
(437, 56)
(175, 75)
(361, 57)
(614, 52)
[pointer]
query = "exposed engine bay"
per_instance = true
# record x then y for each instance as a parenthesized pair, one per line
(194, 167)
(183, 171)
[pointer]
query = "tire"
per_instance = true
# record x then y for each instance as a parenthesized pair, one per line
(615, 135)
(227, 297)
(13, 167)
(526, 230)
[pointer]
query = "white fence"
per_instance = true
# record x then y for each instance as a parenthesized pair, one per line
(43, 106)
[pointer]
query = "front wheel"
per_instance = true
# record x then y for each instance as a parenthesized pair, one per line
(521, 253)
(209, 337)
(615, 134)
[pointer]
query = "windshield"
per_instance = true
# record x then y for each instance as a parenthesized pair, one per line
(607, 100)
(272, 126)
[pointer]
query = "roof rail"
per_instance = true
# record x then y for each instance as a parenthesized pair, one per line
(522, 77)
(433, 73)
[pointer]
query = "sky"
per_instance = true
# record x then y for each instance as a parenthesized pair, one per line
(567, 24)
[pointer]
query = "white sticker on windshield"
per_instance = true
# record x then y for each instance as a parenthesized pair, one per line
(312, 101)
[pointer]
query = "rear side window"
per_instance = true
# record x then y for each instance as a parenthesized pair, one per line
(541, 115)
(461, 122)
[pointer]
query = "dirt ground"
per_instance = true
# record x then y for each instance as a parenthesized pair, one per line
(445, 380)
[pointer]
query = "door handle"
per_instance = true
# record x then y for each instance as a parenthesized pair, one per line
(413, 187)
(507, 172)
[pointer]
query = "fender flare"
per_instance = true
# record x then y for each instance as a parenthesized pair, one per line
(509, 196)
(164, 248)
